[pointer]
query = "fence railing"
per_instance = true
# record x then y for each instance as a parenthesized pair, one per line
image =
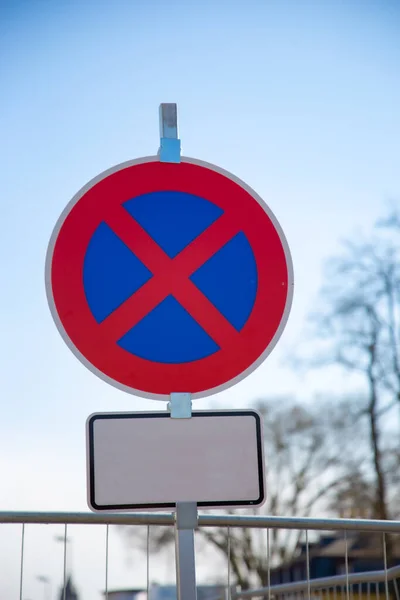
(372, 584)
(332, 587)
(248, 521)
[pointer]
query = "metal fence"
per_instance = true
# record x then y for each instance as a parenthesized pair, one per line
(375, 584)
(351, 586)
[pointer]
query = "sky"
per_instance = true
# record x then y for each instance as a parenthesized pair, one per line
(299, 99)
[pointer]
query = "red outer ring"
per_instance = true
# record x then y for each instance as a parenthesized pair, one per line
(93, 344)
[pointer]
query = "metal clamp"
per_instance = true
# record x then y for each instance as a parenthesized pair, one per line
(180, 405)
(170, 144)
(186, 516)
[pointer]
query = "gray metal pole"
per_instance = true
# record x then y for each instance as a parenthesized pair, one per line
(186, 523)
(186, 519)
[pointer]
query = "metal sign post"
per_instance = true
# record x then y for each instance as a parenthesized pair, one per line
(159, 275)
(180, 405)
(186, 522)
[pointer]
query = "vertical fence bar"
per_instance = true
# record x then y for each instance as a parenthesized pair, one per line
(385, 566)
(377, 591)
(368, 591)
(65, 562)
(396, 589)
(268, 565)
(346, 561)
(21, 575)
(106, 572)
(229, 563)
(148, 562)
(308, 567)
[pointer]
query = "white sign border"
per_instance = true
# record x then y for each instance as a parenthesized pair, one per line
(170, 505)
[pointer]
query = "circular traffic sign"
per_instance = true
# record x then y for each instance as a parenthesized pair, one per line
(169, 277)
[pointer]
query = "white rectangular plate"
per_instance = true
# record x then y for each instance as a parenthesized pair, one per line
(139, 461)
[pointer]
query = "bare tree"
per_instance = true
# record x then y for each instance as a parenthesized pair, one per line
(308, 457)
(359, 327)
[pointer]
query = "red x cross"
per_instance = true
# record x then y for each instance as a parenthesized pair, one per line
(171, 276)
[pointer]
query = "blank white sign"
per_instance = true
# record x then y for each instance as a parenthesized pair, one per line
(151, 461)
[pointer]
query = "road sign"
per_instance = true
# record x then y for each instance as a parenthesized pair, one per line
(169, 277)
(215, 458)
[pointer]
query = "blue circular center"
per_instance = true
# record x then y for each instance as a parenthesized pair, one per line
(169, 334)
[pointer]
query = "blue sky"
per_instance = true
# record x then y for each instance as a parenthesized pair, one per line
(299, 99)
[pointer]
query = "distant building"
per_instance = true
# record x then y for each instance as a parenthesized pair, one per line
(204, 592)
(131, 594)
(327, 557)
(167, 592)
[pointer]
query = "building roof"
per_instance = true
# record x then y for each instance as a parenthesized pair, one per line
(125, 591)
(359, 545)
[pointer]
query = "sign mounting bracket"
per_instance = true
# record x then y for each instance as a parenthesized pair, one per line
(170, 144)
(180, 405)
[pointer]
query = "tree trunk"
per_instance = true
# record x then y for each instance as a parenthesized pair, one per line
(381, 511)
